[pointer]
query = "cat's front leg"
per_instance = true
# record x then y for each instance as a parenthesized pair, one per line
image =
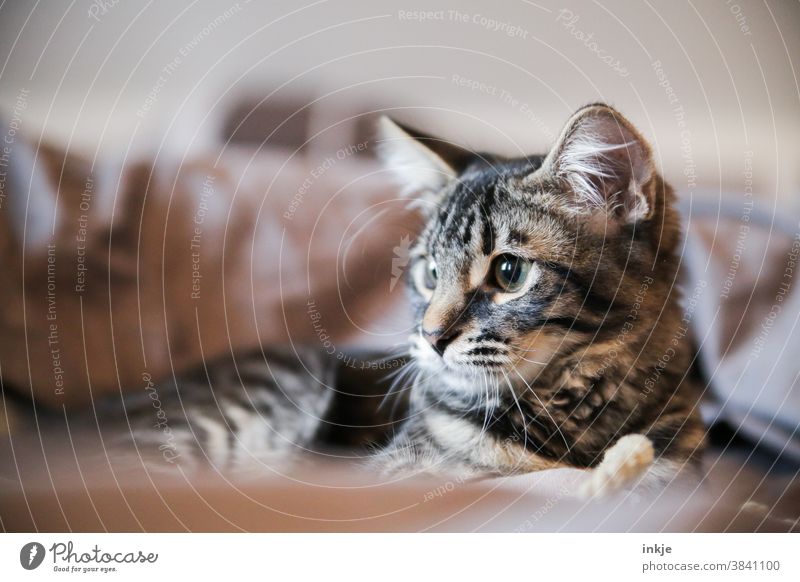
(624, 464)
(413, 452)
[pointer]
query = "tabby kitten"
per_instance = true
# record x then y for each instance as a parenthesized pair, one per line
(546, 292)
(549, 330)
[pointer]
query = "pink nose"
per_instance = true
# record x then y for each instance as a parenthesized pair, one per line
(441, 338)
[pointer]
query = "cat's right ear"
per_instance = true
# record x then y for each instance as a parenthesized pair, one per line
(423, 164)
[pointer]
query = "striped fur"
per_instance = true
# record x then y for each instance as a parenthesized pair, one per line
(592, 350)
(585, 365)
(261, 407)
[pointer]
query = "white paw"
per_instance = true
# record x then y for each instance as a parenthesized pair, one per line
(629, 458)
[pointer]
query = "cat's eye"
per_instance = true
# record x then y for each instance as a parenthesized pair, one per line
(511, 272)
(430, 275)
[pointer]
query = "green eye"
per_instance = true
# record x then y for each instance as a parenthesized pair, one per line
(431, 276)
(511, 272)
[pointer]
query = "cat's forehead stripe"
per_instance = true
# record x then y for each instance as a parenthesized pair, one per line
(471, 203)
(486, 213)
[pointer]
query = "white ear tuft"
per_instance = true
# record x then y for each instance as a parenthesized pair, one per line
(604, 162)
(418, 168)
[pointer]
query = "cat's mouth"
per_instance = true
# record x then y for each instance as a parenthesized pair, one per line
(468, 357)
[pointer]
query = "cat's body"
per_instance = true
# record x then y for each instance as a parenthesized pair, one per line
(262, 406)
(549, 332)
(591, 348)
(277, 406)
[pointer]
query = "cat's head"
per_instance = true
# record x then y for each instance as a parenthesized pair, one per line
(522, 260)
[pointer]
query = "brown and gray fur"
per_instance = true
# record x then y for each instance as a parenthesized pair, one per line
(276, 407)
(264, 406)
(593, 351)
(588, 366)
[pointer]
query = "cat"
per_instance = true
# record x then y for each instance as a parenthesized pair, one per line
(546, 291)
(277, 407)
(548, 330)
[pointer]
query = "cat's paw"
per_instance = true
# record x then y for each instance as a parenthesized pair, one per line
(629, 458)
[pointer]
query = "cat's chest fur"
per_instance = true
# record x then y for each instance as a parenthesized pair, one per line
(569, 418)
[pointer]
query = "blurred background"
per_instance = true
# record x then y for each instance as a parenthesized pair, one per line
(181, 181)
(119, 77)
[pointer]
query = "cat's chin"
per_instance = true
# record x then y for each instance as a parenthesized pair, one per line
(459, 372)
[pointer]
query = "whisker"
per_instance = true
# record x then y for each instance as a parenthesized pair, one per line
(547, 412)
(522, 414)
(486, 415)
(402, 352)
(399, 378)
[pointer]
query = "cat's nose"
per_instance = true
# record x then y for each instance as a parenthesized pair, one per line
(441, 338)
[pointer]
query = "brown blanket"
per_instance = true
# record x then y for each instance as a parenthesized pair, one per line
(116, 271)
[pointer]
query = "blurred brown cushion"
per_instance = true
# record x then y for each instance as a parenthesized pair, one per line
(149, 267)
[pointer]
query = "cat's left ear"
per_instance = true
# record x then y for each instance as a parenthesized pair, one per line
(423, 164)
(605, 163)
